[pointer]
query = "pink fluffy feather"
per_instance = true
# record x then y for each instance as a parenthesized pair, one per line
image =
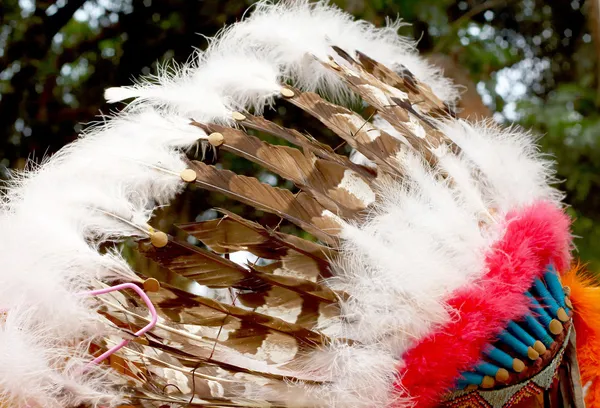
(534, 237)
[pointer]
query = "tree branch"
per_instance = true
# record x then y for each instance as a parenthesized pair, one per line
(72, 53)
(38, 36)
(465, 18)
(34, 47)
(594, 24)
(57, 21)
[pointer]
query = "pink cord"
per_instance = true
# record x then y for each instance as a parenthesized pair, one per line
(140, 332)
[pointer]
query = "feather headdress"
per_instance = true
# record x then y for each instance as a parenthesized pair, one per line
(427, 274)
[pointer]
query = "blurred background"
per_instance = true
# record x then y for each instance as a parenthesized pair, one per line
(531, 62)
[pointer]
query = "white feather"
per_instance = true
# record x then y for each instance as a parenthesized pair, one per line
(515, 172)
(39, 370)
(245, 65)
(291, 32)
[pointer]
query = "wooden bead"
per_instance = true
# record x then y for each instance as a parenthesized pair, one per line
(238, 117)
(188, 175)
(539, 347)
(518, 365)
(555, 327)
(487, 382)
(159, 239)
(216, 139)
(532, 353)
(562, 315)
(151, 285)
(568, 302)
(287, 92)
(502, 375)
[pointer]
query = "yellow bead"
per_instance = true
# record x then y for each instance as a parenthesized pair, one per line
(151, 285)
(159, 239)
(188, 175)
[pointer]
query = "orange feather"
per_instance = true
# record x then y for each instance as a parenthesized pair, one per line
(585, 296)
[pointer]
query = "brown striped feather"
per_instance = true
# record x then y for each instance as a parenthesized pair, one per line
(202, 266)
(165, 378)
(336, 187)
(292, 255)
(273, 295)
(393, 105)
(177, 399)
(295, 264)
(419, 93)
(225, 235)
(306, 142)
(200, 328)
(300, 209)
(374, 143)
(235, 233)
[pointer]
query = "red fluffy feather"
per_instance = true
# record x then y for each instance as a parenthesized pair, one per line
(534, 237)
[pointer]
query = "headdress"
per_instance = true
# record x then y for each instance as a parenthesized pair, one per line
(428, 271)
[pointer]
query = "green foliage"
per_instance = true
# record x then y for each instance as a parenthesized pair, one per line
(571, 125)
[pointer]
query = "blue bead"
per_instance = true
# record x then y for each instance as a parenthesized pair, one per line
(521, 333)
(499, 356)
(486, 368)
(538, 330)
(554, 286)
(514, 343)
(545, 297)
(539, 310)
(472, 378)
